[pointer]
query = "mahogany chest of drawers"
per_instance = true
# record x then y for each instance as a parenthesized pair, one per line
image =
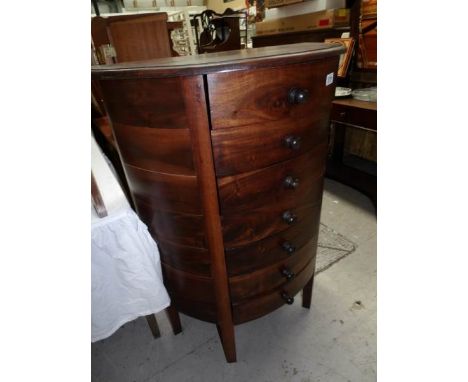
(225, 156)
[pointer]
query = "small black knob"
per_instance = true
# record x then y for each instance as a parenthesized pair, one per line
(288, 247)
(297, 96)
(287, 273)
(292, 142)
(286, 297)
(289, 217)
(290, 182)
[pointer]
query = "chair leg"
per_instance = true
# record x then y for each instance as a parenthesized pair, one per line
(226, 334)
(174, 318)
(153, 324)
(307, 293)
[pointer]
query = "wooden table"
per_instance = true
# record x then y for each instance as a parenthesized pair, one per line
(362, 115)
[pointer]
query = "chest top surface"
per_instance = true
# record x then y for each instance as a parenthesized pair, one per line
(222, 61)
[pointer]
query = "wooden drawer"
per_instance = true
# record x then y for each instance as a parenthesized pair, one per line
(240, 149)
(163, 150)
(173, 227)
(176, 193)
(255, 225)
(185, 258)
(150, 102)
(270, 250)
(269, 278)
(258, 306)
(261, 96)
(297, 180)
(355, 112)
(187, 285)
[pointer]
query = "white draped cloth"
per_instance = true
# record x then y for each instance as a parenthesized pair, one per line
(126, 278)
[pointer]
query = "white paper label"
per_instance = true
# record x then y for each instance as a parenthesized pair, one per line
(329, 79)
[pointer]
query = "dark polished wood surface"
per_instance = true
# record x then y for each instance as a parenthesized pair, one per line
(234, 102)
(362, 115)
(269, 186)
(246, 228)
(215, 62)
(225, 156)
(149, 103)
(174, 193)
(268, 278)
(258, 306)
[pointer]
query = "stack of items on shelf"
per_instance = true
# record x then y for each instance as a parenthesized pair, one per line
(303, 16)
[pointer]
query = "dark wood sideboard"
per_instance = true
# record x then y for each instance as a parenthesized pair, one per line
(349, 113)
(225, 156)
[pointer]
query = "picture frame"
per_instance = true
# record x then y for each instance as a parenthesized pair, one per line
(345, 58)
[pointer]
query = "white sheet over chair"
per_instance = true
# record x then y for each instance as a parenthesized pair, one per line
(125, 265)
(126, 274)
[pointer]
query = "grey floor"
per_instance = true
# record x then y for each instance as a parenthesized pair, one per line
(334, 341)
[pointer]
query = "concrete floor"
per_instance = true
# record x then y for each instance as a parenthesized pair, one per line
(335, 341)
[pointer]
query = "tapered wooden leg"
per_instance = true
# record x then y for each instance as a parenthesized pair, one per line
(307, 293)
(153, 324)
(174, 318)
(226, 334)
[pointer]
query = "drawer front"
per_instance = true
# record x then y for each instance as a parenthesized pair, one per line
(259, 306)
(185, 258)
(155, 103)
(255, 225)
(274, 276)
(176, 193)
(357, 116)
(173, 227)
(240, 149)
(162, 150)
(187, 285)
(265, 96)
(270, 250)
(298, 180)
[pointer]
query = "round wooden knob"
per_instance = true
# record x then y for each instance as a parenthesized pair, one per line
(288, 247)
(287, 273)
(286, 297)
(289, 217)
(291, 182)
(292, 142)
(297, 96)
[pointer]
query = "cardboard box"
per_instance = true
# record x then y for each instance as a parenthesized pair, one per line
(280, 3)
(317, 20)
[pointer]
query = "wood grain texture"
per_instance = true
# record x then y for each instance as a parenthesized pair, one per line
(148, 103)
(256, 97)
(167, 192)
(192, 287)
(194, 88)
(173, 227)
(185, 258)
(268, 251)
(266, 187)
(141, 38)
(258, 306)
(243, 229)
(242, 149)
(223, 61)
(268, 278)
(162, 150)
(212, 191)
